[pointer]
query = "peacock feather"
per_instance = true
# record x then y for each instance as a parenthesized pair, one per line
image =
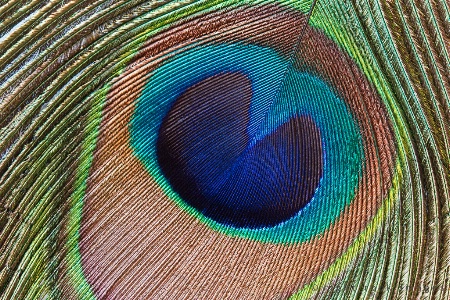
(225, 149)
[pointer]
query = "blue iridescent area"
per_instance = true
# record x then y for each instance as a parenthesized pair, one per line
(276, 159)
(206, 153)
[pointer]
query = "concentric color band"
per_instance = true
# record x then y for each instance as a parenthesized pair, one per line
(135, 220)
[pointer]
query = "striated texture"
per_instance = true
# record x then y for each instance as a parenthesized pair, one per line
(224, 149)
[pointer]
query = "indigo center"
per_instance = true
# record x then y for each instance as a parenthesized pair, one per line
(207, 155)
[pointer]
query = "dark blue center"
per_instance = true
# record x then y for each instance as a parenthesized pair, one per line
(205, 152)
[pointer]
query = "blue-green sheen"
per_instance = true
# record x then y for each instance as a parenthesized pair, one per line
(279, 93)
